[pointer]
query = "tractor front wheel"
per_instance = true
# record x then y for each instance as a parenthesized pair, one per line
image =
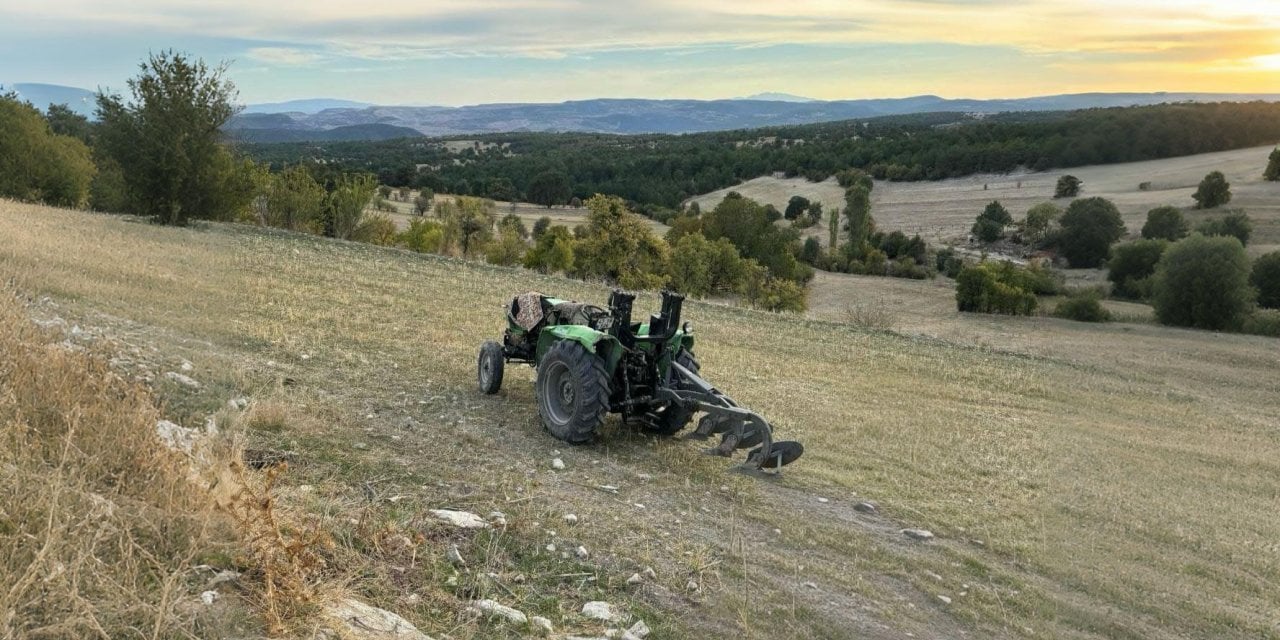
(489, 367)
(573, 392)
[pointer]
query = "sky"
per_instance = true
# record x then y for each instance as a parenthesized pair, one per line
(455, 52)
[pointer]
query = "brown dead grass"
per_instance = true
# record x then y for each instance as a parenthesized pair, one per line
(100, 524)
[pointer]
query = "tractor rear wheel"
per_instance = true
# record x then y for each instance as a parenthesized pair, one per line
(489, 367)
(573, 392)
(673, 418)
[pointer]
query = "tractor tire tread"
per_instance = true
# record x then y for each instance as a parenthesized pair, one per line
(590, 371)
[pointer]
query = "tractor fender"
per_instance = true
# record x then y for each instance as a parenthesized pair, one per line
(597, 342)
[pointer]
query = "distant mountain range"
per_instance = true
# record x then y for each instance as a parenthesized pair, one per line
(322, 119)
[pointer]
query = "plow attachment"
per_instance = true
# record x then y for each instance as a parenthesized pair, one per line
(738, 427)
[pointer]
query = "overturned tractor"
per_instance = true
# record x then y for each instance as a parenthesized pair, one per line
(593, 361)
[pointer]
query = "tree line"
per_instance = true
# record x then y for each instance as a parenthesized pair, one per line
(656, 173)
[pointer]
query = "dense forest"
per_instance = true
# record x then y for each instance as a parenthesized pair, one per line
(663, 170)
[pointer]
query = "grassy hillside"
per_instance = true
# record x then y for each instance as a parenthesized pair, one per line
(1071, 497)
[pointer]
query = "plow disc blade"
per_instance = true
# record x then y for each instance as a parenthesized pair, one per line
(781, 454)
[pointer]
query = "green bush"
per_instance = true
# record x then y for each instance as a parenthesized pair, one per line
(1040, 222)
(1237, 225)
(1272, 172)
(294, 200)
(423, 236)
(507, 249)
(1265, 277)
(1165, 223)
(552, 252)
(1083, 306)
(1263, 322)
(1067, 187)
(1131, 265)
(376, 229)
(993, 288)
(1203, 282)
(1214, 191)
(1089, 227)
(764, 291)
(38, 165)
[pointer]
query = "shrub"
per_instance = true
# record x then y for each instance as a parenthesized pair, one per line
(849, 177)
(508, 249)
(949, 263)
(423, 236)
(993, 288)
(376, 229)
(619, 247)
(1067, 187)
(1165, 223)
(514, 223)
(1203, 282)
(1132, 264)
(344, 205)
(1089, 227)
(1213, 191)
(468, 224)
(293, 200)
(552, 252)
(764, 291)
(745, 223)
(1040, 222)
(38, 165)
(1083, 306)
(987, 230)
(796, 207)
(1265, 277)
(1236, 225)
(540, 226)
(1263, 322)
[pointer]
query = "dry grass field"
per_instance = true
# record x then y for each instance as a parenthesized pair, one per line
(1116, 481)
(944, 211)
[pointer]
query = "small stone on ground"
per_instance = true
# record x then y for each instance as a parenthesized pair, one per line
(493, 609)
(918, 534)
(460, 519)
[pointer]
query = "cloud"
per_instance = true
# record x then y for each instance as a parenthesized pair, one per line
(283, 55)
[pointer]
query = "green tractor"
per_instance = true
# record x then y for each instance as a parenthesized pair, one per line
(593, 361)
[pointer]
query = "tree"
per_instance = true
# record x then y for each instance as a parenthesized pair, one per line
(1213, 191)
(795, 207)
(552, 252)
(1131, 265)
(833, 230)
(814, 213)
(65, 122)
(167, 140)
(1089, 227)
(1203, 282)
(513, 222)
(857, 210)
(468, 224)
(700, 267)
(423, 236)
(550, 188)
(1166, 223)
(540, 226)
(990, 224)
(384, 191)
(1067, 187)
(502, 189)
(849, 177)
(1272, 171)
(991, 287)
(620, 247)
(745, 223)
(1265, 277)
(1040, 221)
(811, 251)
(37, 164)
(293, 200)
(345, 204)
(422, 203)
(1236, 225)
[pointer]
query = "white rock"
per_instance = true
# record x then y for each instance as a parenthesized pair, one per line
(238, 404)
(918, 534)
(865, 507)
(824, 500)
(498, 518)
(811, 585)
(571, 518)
(364, 622)
(542, 625)
(635, 579)
(649, 573)
(933, 575)
(454, 556)
(551, 548)
(187, 367)
(944, 599)
(692, 585)
(209, 597)
(639, 629)
(460, 519)
(492, 609)
(582, 553)
(176, 436)
(185, 381)
(600, 610)
(557, 464)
